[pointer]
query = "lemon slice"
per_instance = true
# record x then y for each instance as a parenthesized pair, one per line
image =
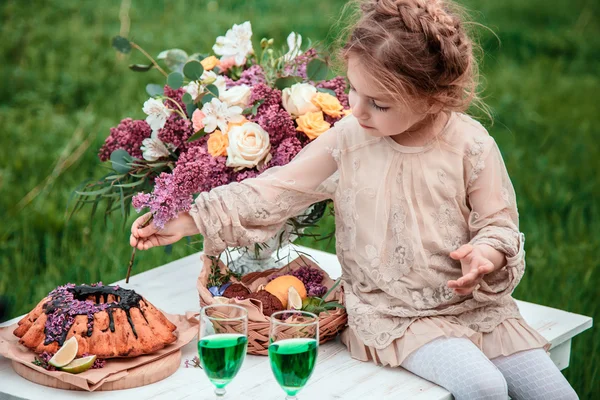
(65, 354)
(79, 365)
(294, 299)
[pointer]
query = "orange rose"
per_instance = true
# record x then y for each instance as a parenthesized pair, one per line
(347, 112)
(217, 144)
(210, 62)
(329, 104)
(312, 124)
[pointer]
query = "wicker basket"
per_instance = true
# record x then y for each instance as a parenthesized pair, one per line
(330, 323)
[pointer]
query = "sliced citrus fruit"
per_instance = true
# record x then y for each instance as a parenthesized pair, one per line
(279, 287)
(294, 299)
(65, 354)
(79, 365)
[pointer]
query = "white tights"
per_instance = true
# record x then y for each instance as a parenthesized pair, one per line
(459, 366)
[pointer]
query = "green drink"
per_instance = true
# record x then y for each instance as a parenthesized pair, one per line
(292, 362)
(221, 356)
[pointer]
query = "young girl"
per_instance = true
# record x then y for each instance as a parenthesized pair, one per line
(426, 218)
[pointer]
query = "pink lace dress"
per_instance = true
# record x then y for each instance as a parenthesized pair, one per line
(399, 212)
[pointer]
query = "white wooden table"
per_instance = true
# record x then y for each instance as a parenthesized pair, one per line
(172, 287)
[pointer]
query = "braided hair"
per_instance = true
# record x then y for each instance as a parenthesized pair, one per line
(417, 49)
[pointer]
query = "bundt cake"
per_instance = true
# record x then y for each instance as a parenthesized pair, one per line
(108, 321)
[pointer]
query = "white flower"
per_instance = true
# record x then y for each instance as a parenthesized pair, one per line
(157, 113)
(213, 79)
(297, 99)
(153, 148)
(249, 146)
(294, 41)
(194, 88)
(236, 96)
(220, 114)
(236, 44)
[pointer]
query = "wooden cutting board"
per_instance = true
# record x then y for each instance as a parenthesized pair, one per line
(139, 376)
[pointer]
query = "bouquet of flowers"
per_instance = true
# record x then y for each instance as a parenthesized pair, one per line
(220, 118)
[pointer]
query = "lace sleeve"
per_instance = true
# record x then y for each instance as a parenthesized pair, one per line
(252, 211)
(494, 221)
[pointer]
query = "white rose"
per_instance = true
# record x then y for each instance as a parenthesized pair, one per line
(249, 146)
(297, 99)
(236, 96)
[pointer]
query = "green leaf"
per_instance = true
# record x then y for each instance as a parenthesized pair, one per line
(121, 44)
(212, 89)
(193, 70)
(286, 82)
(94, 192)
(316, 70)
(207, 98)
(190, 108)
(175, 80)
(119, 159)
(174, 59)
(141, 67)
(129, 185)
(187, 98)
(323, 90)
(196, 135)
(154, 90)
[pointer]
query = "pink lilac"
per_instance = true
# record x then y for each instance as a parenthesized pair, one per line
(175, 95)
(271, 96)
(276, 121)
(196, 171)
(176, 131)
(166, 200)
(251, 77)
(246, 174)
(286, 151)
(128, 135)
(338, 85)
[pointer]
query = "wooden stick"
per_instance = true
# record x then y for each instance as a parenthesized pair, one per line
(145, 224)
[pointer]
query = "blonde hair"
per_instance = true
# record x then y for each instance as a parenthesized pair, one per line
(416, 49)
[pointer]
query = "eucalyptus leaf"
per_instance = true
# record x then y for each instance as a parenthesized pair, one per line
(287, 81)
(196, 136)
(174, 59)
(121, 44)
(212, 89)
(316, 70)
(94, 192)
(141, 67)
(187, 98)
(207, 98)
(129, 185)
(120, 159)
(175, 80)
(323, 90)
(193, 70)
(190, 108)
(154, 90)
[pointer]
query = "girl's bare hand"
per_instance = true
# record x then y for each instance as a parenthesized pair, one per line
(151, 236)
(474, 266)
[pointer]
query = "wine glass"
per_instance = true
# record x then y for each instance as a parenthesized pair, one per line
(293, 347)
(222, 343)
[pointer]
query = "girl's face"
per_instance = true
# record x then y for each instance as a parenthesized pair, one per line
(378, 114)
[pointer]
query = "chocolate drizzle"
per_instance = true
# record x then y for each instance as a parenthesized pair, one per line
(66, 302)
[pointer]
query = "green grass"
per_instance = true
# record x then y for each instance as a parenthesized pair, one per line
(63, 83)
